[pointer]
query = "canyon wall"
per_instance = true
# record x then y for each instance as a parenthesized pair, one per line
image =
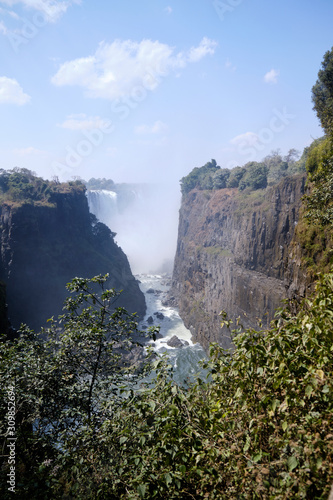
(44, 245)
(233, 254)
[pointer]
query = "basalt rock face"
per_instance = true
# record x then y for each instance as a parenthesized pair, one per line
(232, 254)
(44, 246)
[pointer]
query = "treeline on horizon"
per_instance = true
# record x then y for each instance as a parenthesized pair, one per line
(253, 175)
(21, 185)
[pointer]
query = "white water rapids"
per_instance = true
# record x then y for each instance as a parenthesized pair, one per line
(185, 359)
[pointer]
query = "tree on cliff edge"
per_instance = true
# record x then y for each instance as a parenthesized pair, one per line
(322, 93)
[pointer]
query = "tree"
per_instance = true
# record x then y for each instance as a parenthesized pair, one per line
(255, 177)
(236, 175)
(258, 426)
(292, 156)
(200, 178)
(277, 167)
(67, 385)
(220, 178)
(322, 93)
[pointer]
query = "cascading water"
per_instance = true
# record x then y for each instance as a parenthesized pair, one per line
(103, 204)
(132, 228)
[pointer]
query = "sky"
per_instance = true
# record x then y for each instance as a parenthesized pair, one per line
(144, 91)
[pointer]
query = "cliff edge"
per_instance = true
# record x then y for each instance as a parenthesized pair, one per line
(232, 255)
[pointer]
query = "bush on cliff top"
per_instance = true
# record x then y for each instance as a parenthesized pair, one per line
(260, 427)
(253, 175)
(21, 185)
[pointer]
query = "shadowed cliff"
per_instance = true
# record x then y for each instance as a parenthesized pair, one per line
(49, 237)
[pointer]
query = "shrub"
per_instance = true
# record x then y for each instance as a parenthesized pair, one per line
(259, 426)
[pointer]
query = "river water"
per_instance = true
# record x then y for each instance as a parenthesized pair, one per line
(185, 359)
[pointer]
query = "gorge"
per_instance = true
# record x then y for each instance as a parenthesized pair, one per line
(235, 250)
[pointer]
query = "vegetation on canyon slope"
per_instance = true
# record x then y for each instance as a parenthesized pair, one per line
(259, 426)
(20, 185)
(315, 231)
(88, 426)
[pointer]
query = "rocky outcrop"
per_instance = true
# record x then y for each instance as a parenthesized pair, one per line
(176, 342)
(232, 255)
(45, 245)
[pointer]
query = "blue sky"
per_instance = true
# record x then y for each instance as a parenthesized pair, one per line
(147, 90)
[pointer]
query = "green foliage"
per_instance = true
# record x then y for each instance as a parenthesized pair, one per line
(318, 155)
(220, 178)
(95, 184)
(21, 185)
(277, 167)
(255, 176)
(319, 202)
(201, 178)
(300, 165)
(236, 175)
(259, 427)
(322, 93)
(67, 385)
(216, 251)
(314, 233)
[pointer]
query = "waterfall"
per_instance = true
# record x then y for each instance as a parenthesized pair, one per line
(103, 204)
(144, 217)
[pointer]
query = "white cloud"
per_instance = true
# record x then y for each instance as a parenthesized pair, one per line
(271, 76)
(53, 9)
(168, 9)
(84, 122)
(247, 139)
(11, 92)
(205, 47)
(3, 29)
(118, 69)
(13, 14)
(157, 128)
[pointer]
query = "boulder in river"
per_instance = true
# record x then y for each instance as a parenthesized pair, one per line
(176, 342)
(156, 292)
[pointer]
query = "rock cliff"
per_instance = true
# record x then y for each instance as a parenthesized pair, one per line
(232, 254)
(44, 245)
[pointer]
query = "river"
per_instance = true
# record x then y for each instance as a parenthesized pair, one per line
(185, 358)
